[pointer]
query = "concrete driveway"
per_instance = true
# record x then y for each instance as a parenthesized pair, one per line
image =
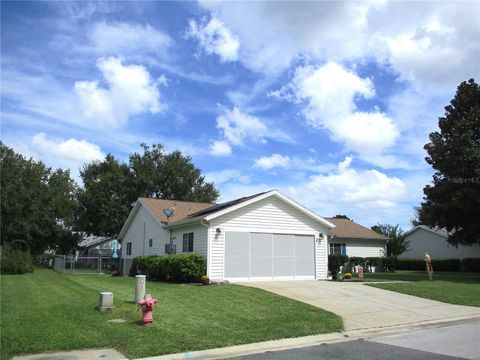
(364, 307)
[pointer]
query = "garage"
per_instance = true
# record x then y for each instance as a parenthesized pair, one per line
(252, 255)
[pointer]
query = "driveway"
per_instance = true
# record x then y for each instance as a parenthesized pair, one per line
(364, 307)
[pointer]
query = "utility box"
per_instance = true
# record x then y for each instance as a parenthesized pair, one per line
(140, 281)
(105, 303)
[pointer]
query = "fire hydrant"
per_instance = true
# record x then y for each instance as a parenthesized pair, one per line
(147, 304)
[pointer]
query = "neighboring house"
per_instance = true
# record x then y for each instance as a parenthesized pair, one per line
(434, 241)
(97, 246)
(352, 239)
(264, 236)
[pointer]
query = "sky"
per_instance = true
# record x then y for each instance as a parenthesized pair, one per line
(329, 102)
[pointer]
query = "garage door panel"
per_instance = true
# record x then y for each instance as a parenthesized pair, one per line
(283, 245)
(304, 266)
(283, 266)
(304, 246)
(237, 243)
(261, 251)
(237, 254)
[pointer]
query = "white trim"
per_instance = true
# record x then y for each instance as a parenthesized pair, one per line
(268, 231)
(279, 195)
(130, 217)
(274, 278)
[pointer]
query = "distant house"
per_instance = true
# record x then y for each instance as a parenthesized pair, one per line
(434, 241)
(97, 246)
(266, 236)
(352, 239)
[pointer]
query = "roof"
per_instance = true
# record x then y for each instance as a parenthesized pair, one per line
(183, 209)
(346, 228)
(92, 240)
(441, 232)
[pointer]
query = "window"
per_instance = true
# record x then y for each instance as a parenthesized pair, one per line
(150, 243)
(188, 242)
(336, 248)
(129, 248)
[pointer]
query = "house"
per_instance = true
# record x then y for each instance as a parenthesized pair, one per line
(96, 246)
(352, 239)
(264, 236)
(434, 241)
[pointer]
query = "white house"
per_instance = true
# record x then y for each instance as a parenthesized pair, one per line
(434, 241)
(265, 236)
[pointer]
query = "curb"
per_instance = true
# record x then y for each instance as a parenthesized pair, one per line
(312, 340)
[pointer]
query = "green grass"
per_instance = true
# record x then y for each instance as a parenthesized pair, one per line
(47, 311)
(459, 288)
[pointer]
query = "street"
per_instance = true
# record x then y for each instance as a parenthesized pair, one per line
(460, 341)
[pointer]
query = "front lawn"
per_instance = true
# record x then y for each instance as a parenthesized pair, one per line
(460, 288)
(49, 311)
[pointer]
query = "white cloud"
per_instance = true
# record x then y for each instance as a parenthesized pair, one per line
(215, 38)
(122, 39)
(226, 175)
(220, 148)
(238, 127)
(329, 93)
(131, 91)
(71, 150)
(270, 162)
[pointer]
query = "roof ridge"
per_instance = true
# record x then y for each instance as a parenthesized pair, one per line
(182, 201)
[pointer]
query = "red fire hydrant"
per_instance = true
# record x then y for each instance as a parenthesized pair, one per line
(147, 304)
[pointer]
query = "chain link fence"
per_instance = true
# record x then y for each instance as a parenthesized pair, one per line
(84, 265)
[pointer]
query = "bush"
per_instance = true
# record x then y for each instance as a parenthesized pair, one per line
(356, 260)
(16, 262)
(471, 264)
(347, 276)
(334, 263)
(373, 261)
(445, 265)
(389, 263)
(176, 268)
(411, 264)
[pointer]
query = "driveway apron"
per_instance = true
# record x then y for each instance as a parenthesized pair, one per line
(364, 307)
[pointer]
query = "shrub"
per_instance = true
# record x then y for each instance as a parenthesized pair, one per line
(411, 264)
(334, 263)
(373, 261)
(445, 265)
(389, 263)
(356, 260)
(347, 276)
(176, 268)
(471, 264)
(205, 280)
(16, 262)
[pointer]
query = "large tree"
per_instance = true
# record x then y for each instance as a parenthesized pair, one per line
(396, 239)
(37, 204)
(112, 187)
(453, 201)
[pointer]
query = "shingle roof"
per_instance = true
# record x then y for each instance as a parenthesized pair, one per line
(348, 229)
(182, 208)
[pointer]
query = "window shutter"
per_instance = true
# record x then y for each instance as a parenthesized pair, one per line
(190, 242)
(185, 243)
(344, 249)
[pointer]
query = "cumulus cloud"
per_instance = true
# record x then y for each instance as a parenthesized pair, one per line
(270, 162)
(328, 93)
(220, 148)
(215, 38)
(131, 91)
(237, 127)
(123, 38)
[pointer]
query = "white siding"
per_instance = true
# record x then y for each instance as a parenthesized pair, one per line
(199, 238)
(361, 247)
(422, 241)
(143, 228)
(270, 215)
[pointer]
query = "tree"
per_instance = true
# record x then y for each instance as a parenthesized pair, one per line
(112, 187)
(37, 205)
(453, 201)
(396, 244)
(342, 217)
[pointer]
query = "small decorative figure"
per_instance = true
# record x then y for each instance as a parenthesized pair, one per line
(428, 262)
(147, 304)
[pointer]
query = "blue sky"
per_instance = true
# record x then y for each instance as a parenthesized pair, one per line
(329, 102)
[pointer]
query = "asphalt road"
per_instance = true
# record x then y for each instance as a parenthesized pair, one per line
(460, 341)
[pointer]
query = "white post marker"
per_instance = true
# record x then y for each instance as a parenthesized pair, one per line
(105, 302)
(140, 281)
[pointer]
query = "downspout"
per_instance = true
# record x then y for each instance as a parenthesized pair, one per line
(207, 225)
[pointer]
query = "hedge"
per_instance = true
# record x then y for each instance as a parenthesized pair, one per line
(16, 263)
(334, 263)
(437, 264)
(410, 264)
(175, 268)
(471, 264)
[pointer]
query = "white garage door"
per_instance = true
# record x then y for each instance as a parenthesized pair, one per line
(269, 256)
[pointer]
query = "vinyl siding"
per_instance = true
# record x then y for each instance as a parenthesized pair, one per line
(422, 241)
(270, 215)
(199, 238)
(361, 247)
(135, 235)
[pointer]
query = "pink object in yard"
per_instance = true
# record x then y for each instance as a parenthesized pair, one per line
(360, 272)
(147, 304)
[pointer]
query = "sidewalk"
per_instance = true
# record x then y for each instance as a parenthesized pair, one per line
(292, 343)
